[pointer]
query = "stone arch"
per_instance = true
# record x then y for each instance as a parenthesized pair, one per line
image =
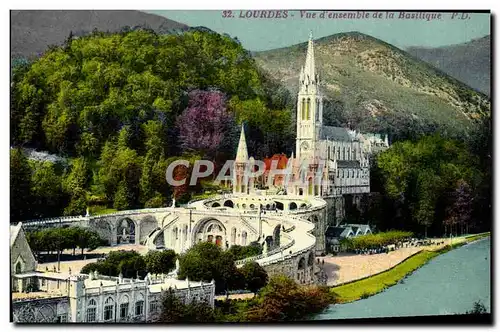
(209, 229)
(126, 231)
(124, 299)
(303, 206)
(302, 263)
(279, 206)
(276, 236)
(229, 203)
(293, 206)
(310, 259)
(216, 204)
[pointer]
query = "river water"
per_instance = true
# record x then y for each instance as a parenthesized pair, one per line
(448, 284)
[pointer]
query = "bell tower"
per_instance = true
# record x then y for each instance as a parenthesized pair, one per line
(309, 107)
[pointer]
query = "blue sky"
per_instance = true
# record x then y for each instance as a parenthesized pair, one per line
(263, 34)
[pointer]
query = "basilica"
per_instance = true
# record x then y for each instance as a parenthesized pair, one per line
(287, 217)
(329, 162)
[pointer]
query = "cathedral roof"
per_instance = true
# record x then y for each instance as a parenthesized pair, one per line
(281, 158)
(335, 134)
(14, 232)
(348, 164)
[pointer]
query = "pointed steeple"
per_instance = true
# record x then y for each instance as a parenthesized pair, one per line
(242, 153)
(310, 68)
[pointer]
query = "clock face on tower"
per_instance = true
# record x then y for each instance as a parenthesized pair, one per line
(304, 147)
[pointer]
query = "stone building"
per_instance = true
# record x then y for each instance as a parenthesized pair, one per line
(329, 162)
(50, 296)
(21, 257)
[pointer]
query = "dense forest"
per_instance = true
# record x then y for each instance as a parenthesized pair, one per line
(120, 107)
(431, 186)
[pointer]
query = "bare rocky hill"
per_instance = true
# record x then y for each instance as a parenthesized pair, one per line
(467, 62)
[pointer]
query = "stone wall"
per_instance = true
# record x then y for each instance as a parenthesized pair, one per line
(48, 310)
(292, 268)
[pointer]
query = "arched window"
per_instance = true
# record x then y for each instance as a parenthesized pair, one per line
(338, 152)
(233, 235)
(317, 110)
(348, 174)
(354, 154)
(349, 153)
(244, 238)
(328, 152)
(109, 308)
(124, 307)
(19, 267)
(139, 306)
(303, 108)
(91, 310)
(308, 103)
(343, 153)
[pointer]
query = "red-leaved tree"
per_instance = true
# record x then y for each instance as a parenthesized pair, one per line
(206, 125)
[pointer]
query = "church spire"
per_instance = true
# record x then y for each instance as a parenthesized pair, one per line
(242, 153)
(310, 68)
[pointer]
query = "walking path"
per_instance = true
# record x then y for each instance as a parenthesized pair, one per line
(77, 265)
(346, 268)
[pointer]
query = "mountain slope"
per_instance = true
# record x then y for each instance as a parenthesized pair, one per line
(468, 62)
(374, 86)
(32, 31)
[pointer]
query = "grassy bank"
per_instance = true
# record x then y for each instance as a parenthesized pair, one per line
(477, 236)
(372, 285)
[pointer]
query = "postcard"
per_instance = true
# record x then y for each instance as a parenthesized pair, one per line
(238, 166)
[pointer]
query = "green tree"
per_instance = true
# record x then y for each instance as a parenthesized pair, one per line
(206, 261)
(254, 275)
(46, 191)
(175, 311)
(418, 177)
(284, 300)
(20, 186)
(160, 261)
